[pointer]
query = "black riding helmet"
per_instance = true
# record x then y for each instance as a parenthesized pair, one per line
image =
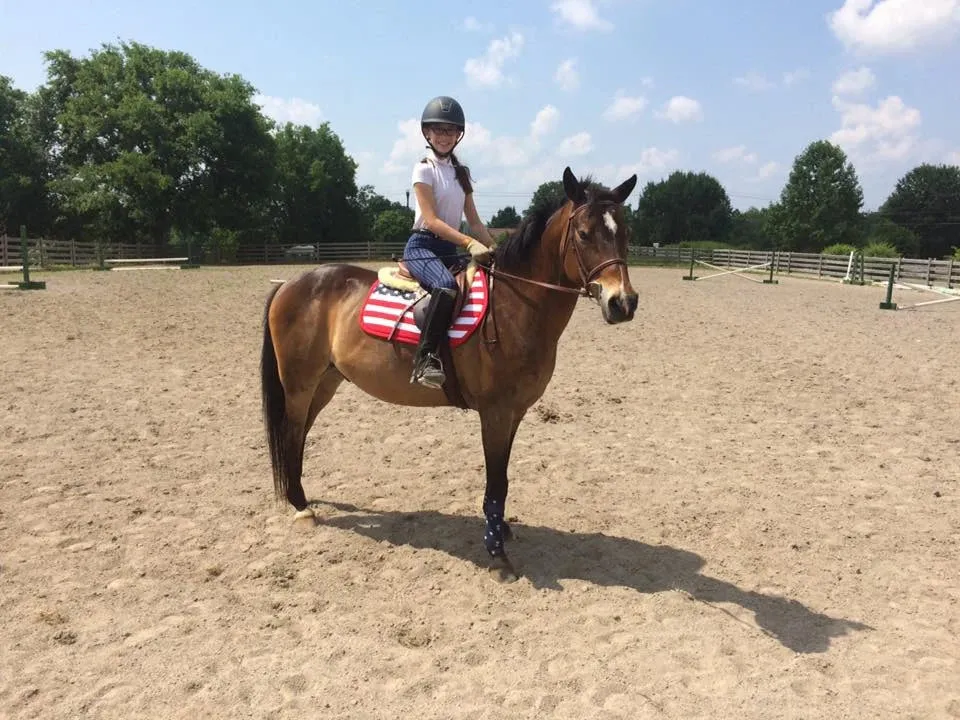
(443, 110)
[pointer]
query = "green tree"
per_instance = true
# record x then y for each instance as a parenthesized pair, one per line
(751, 229)
(507, 217)
(686, 207)
(549, 194)
(881, 230)
(926, 201)
(368, 204)
(820, 204)
(22, 181)
(316, 189)
(151, 142)
(392, 226)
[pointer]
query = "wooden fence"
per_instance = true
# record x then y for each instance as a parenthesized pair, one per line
(45, 253)
(928, 271)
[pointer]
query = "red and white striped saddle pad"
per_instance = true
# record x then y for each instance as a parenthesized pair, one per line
(387, 312)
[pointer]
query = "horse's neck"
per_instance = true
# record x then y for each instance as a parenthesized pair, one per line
(548, 310)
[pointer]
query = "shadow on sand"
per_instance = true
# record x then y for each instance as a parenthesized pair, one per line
(544, 556)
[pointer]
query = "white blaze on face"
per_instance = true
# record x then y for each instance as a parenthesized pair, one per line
(610, 223)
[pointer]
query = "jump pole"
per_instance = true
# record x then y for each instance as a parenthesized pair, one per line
(735, 271)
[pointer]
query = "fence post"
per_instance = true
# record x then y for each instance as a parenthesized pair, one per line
(950, 273)
(888, 304)
(27, 283)
(929, 268)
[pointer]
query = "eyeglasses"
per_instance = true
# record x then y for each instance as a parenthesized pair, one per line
(448, 130)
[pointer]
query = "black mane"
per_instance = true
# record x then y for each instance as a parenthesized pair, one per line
(517, 249)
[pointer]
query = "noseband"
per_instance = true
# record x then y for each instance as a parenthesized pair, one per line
(586, 278)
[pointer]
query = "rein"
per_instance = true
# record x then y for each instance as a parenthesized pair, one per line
(586, 279)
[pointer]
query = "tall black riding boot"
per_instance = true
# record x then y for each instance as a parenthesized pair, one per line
(427, 368)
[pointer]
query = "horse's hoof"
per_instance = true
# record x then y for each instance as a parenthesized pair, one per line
(502, 569)
(305, 520)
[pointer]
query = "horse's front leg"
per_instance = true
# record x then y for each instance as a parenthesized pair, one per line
(498, 427)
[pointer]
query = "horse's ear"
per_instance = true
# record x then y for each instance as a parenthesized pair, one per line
(622, 191)
(572, 187)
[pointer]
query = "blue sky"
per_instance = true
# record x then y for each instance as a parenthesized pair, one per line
(610, 87)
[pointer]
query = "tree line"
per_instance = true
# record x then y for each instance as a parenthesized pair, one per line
(137, 144)
(820, 209)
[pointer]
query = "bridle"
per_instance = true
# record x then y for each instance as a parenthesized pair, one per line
(586, 278)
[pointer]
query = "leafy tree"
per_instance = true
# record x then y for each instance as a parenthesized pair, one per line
(392, 226)
(549, 194)
(686, 207)
(926, 201)
(505, 218)
(149, 141)
(22, 190)
(751, 228)
(820, 204)
(315, 189)
(881, 230)
(368, 205)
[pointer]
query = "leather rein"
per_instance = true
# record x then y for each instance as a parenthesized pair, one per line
(586, 278)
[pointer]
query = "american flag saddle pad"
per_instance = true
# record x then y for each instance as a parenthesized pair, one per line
(385, 306)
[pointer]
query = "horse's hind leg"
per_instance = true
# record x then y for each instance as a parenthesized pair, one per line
(289, 408)
(302, 411)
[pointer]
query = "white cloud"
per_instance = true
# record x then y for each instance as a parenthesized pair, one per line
(506, 151)
(953, 158)
(652, 162)
(730, 154)
(768, 169)
(681, 109)
(579, 144)
(581, 14)
(624, 106)
(891, 26)
(544, 122)
(884, 132)
(487, 70)
(854, 82)
(792, 77)
(295, 110)
(471, 24)
(567, 76)
(754, 81)
(408, 146)
(758, 82)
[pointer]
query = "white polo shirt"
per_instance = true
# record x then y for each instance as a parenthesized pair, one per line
(448, 196)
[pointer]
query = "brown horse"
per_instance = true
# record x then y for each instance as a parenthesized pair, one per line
(313, 340)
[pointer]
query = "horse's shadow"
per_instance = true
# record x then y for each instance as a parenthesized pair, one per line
(550, 555)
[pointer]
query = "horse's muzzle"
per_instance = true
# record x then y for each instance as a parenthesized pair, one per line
(619, 307)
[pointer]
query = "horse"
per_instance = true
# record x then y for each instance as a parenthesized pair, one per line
(313, 341)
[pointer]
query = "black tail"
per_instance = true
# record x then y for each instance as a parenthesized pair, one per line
(274, 403)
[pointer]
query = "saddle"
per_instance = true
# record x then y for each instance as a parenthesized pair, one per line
(399, 278)
(396, 304)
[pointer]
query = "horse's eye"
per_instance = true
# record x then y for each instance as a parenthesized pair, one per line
(582, 234)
